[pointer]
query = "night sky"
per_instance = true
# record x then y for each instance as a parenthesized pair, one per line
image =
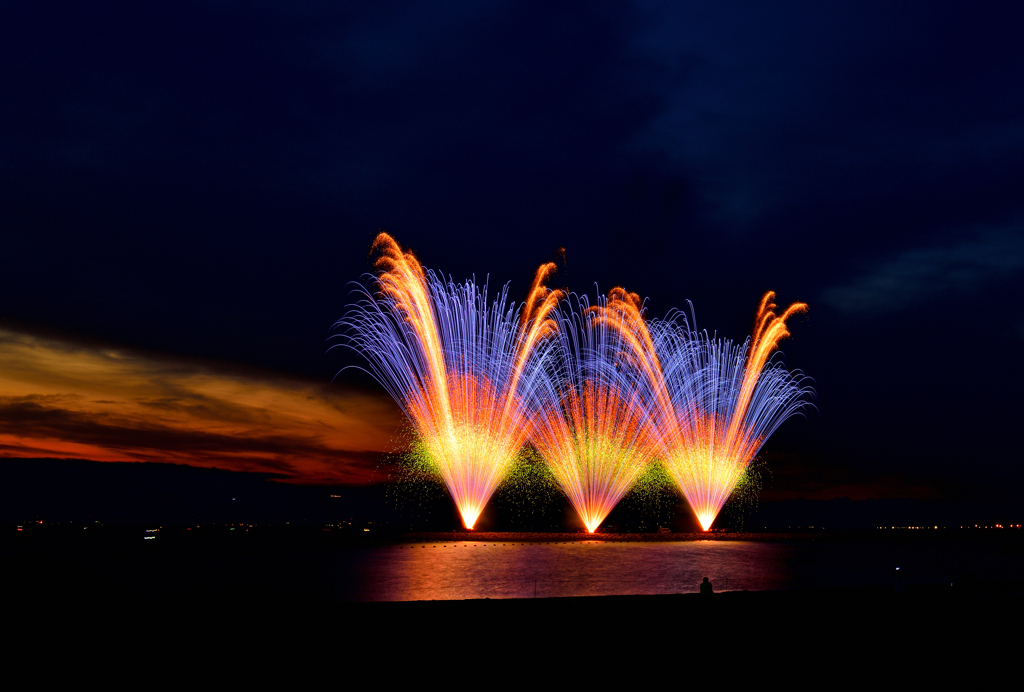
(188, 189)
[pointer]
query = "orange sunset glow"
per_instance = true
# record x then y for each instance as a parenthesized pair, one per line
(61, 399)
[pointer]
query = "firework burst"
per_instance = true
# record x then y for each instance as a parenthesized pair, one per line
(717, 402)
(457, 365)
(591, 421)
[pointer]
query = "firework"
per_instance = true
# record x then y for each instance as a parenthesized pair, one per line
(456, 364)
(716, 402)
(591, 421)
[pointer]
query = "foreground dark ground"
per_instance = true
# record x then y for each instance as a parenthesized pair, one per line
(856, 630)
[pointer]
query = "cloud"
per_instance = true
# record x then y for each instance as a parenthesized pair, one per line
(776, 107)
(63, 399)
(916, 276)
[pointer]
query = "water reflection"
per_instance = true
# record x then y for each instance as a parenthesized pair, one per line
(468, 569)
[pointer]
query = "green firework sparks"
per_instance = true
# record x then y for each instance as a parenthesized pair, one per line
(651, 501)
(414, 483)
(529, 492)
(743, 500)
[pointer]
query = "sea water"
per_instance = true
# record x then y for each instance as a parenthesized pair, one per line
(470, 569)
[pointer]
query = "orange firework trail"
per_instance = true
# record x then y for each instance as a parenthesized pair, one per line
(591, 419)
(715, 402)
(456, 364)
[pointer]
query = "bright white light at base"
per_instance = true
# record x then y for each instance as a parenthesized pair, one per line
(469, 516)
(706, 519)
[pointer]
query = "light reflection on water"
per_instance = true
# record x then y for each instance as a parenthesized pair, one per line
(468, 569)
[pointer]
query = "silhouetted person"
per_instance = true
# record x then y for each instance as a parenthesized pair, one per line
(897, 580)
(705, 586)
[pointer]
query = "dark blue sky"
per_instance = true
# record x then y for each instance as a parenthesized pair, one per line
(203, 179)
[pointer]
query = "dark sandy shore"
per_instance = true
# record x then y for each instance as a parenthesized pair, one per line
(871, 618)
(852, 629)
(1005, 592)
